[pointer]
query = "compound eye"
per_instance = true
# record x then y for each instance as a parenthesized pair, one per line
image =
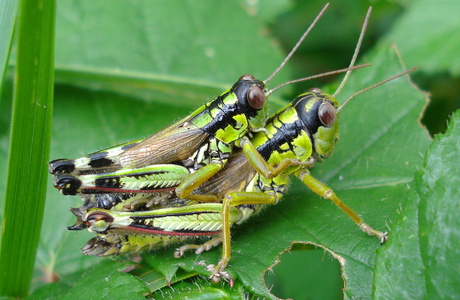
(247, 77)
(327, 114)
(99, 216)
(256, 97)
(315, 90)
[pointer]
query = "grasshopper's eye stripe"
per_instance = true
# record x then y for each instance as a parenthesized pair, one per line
(327, 114)
(100, 216)
(256, 97)
(247, 77)
(315, 90)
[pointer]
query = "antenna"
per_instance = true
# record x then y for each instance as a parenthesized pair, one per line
(302, 38)
(355, 55)
(375, 85)
(269, 92)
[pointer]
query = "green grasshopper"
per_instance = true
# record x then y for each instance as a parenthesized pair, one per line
(294, 139)
(150, 229)
(206, 137)
(203, 142)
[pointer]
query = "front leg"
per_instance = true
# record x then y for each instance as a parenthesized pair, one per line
(324, 191)
(263, 167)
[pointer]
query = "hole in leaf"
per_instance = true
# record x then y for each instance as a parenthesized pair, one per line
(306, 272)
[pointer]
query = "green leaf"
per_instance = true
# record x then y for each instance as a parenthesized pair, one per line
(423, 259)
(112, 283)
(436, 49)
(200, 288)
(197, 52)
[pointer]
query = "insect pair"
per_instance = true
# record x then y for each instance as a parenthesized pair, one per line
(198, 177)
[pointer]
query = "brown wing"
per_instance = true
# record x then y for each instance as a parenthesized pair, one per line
(175, 143)
(235, 176)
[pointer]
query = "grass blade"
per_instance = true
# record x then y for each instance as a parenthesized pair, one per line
(29, 146)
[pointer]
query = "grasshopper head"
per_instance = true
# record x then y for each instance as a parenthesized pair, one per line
(103, 245)
(237, 111)
(95, 221)
(318, 114)
(98, 221)
(251, 94)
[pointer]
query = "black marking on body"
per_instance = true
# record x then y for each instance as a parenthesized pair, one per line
(99, 160)
(128, 146)
(67, 184)
(227, 112)
(61, 166)
(110, 182)
(307, 121)
(284, 134)
(104, 200)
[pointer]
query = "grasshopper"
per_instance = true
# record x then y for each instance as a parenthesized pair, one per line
(150, 183)
(150, 229)
(203, 142)
(299, 135)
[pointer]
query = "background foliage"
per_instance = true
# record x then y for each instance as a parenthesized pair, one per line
(126, 70)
